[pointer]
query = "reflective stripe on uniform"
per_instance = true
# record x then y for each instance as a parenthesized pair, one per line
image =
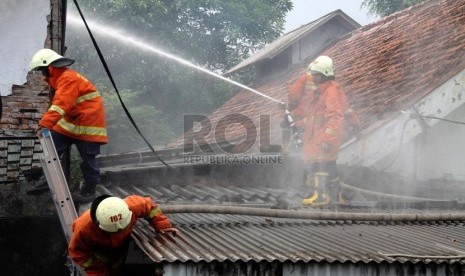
(88, 263)
(331, 131)
(319, 157)
(88, 96)
(82, 130)
(57, 109)
(155, 212)
(310, 86)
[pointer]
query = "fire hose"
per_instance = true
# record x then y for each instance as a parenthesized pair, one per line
(292, 214)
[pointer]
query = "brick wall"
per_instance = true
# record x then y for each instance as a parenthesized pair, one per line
(24, 107)
(19, 147)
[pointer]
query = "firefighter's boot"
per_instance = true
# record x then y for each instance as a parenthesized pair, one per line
(39, 188)
(320, 195)
(335, 191)
(86, 193)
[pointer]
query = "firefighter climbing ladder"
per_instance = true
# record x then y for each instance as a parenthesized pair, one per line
(57, 183)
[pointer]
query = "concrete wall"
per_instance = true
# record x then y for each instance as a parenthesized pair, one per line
(438, 153)
(418, 147)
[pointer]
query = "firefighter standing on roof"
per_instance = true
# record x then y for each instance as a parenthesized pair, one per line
(320, 109)
(101, 234)
(76, 116)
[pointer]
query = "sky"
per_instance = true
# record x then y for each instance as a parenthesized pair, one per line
(306, 11)
(17, 47)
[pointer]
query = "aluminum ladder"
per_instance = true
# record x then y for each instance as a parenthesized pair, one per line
(58, 185)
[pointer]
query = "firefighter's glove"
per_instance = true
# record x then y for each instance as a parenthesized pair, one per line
(326, 147)
(175, 232)
(39, 131)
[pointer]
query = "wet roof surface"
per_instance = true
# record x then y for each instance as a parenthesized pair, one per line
(383, 67)
(207, 237)
(220, 237)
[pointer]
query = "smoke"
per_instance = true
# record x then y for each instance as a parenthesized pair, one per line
(8, 7)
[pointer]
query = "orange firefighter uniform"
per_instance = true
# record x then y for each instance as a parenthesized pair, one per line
(303, 87)
(324, 119)
(98, 251)
(77, 109)
(301, 93)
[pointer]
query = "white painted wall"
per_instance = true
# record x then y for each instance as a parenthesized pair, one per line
(23, 30)
(439, 152)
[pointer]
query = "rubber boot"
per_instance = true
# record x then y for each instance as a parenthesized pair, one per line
(320, 195)
(335, 192)
(86, 193)
(39, 188)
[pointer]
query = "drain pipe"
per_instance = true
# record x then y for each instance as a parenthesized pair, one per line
(291, 214)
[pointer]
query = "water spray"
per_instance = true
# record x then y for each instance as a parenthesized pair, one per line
(107, 70)
(118, 35)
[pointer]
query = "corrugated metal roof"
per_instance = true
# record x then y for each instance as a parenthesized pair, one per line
(221, 237)
(268, 197)
(288, 39)
(207, 237)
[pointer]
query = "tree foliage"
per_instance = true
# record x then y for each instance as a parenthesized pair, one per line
(384, 8)
(214, 34)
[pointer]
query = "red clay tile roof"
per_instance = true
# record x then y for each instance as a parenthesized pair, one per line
(387, 66)
(384, 67)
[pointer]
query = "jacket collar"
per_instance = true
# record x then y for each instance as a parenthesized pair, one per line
(322, 87)
(55, 73)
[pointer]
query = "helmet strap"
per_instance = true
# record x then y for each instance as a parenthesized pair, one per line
(44, 70)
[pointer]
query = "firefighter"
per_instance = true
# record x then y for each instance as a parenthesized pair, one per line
(76, 116)
(319, 105)
(100, 239)
(301, 93)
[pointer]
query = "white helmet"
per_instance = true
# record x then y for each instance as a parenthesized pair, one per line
(113, 214)
(46, 57)
(323, 65)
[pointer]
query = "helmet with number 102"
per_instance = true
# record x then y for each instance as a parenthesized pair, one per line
(112, 214)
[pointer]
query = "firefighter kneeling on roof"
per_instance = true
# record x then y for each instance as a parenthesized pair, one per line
(101, 234)
(318, 103)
